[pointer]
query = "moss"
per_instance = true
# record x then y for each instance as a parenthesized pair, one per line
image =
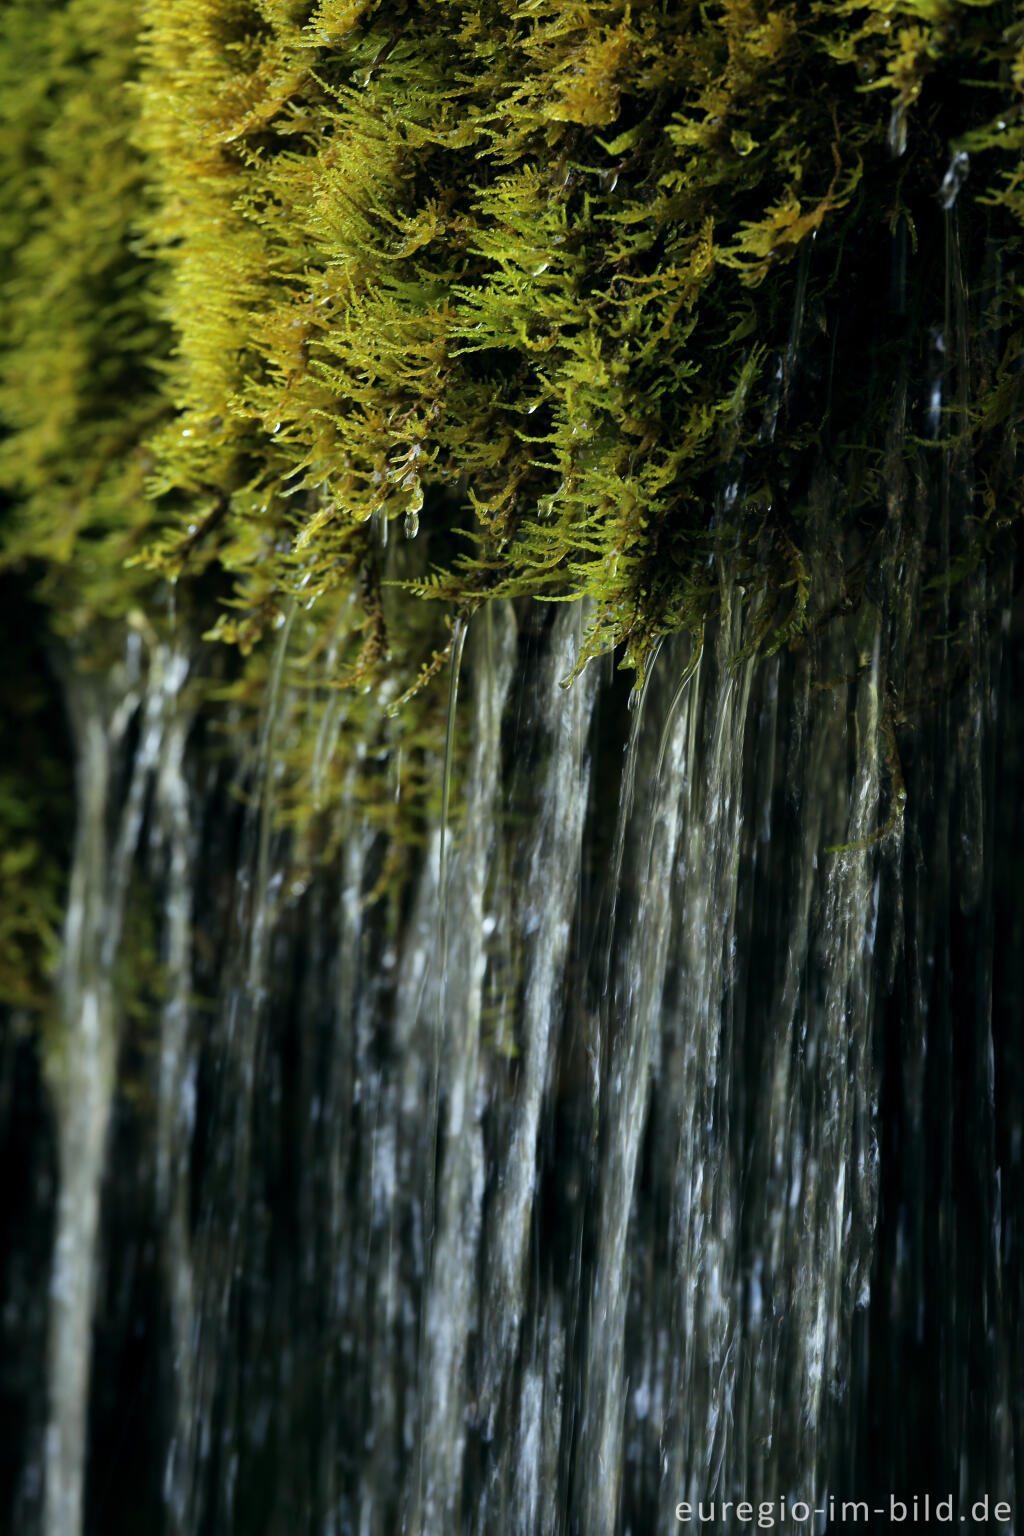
(323, 311)
(485, 269)
(78, 390)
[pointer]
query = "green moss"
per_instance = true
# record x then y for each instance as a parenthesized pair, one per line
(484, 268)
(80, 342)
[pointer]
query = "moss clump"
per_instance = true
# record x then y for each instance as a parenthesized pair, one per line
(323, 309)
(526, 276)
(80, 344)
(35, 806)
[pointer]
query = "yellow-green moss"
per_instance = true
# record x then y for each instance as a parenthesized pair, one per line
(79, 341)
(515, 272)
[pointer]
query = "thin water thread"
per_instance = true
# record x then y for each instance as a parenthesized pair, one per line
(266, 793)
(677, 698)
(638, 701)
(458, 645)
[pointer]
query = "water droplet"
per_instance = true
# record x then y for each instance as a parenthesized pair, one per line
(414, 503)
(412, 524)
(898, 130)
(956, 175)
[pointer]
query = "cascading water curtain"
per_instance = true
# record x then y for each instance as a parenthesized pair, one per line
(599, 1184)
(511, 1012)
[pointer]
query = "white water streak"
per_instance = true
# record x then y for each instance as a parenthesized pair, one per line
(83, 1069)
(452, 1290)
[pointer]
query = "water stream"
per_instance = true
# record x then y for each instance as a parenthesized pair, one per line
(662, 1156)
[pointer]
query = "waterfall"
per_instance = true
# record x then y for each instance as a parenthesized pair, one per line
(510, 590)
(625, 1167)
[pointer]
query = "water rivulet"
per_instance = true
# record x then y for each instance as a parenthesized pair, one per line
(664, 1147)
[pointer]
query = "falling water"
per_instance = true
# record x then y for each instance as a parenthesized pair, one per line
(661, 1145)
(110, 819)
(557, 1205)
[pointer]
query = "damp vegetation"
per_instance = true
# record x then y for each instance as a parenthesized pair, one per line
(323, 326)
